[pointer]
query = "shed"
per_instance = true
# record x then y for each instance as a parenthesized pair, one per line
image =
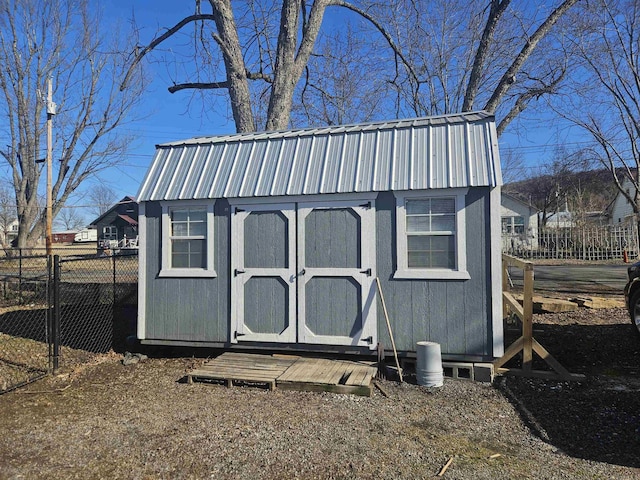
(274, 240)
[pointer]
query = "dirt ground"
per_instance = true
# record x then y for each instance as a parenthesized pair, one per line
(107, 420)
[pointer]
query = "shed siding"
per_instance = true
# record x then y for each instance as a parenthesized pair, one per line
(187, 309)
(451, 312)
(454, 313)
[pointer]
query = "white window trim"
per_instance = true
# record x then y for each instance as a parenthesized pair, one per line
(166, 270)
(403, 271)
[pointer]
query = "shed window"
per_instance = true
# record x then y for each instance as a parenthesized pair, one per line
(431, 239)
(187, 246)
(189, 238)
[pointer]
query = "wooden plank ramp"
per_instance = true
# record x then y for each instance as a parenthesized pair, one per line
(289, 373)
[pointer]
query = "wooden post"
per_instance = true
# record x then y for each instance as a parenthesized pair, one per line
(527, 321)
(526, 343)
(50, 114)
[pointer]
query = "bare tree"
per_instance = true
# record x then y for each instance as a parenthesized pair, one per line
(102, 199)
(62, 40)
(70, 218)
(605, 100)
(552, 185)
(440, 56)
(496, 55)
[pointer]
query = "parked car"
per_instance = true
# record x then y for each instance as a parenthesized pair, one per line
(632, 294)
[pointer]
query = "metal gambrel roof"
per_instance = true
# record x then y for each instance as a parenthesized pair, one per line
(424, 153)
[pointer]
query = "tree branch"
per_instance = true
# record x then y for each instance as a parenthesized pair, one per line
(158, 40)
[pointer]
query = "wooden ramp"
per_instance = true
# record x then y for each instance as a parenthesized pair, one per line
(289, 373)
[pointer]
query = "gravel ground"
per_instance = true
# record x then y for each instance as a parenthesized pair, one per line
(106, 420)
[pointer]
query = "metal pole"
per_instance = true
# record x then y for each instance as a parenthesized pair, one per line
(56, 312)
(50, 114)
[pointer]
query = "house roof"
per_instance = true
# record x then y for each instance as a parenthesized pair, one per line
(126, 199)
(128, 219)
(519, 200)
(423, 153)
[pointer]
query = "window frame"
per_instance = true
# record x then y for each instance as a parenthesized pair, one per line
(166, 270)
(459, 272)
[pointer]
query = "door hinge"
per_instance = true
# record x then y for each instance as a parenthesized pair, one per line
(237, 272)
(237, 210)
(367, 272)
(366, 205)
(237, 334)
(369, 340)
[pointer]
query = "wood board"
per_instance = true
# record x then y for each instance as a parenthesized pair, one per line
(289, 373)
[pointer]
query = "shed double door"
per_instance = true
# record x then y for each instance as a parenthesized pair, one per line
(304, 273)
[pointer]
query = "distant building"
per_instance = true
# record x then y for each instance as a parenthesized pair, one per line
(519, 221)
(9, 232)
(621, 210)
(118, 227)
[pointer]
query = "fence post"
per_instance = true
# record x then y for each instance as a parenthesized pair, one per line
(20, 276)
(114, 281)
(56, 312)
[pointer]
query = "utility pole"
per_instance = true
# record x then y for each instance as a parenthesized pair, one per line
(51, 111)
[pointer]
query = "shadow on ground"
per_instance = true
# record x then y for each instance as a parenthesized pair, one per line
(599, 418)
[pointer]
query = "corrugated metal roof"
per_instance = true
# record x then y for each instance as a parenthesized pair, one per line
(424, 153)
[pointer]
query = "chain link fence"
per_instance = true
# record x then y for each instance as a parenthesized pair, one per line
(25, 321)
(61, 312)
(95, 306)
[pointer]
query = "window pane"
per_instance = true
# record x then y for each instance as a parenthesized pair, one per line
(179, 229)
(179, 260)
(179, 215)
(443, 205)
(181, 246)
(197, 215)
(417, 206)
(198, 228)
(417, 223)
(431, 251)
(188, 254)
(444, 223)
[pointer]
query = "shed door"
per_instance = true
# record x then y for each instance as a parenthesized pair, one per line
(263, 273)
(305, 276)
(336, 254)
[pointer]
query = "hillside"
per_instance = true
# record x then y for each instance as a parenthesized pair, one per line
(592, 190)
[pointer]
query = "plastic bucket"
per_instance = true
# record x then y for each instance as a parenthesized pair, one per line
(429, 364)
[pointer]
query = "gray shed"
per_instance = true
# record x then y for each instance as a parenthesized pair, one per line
(274, 240)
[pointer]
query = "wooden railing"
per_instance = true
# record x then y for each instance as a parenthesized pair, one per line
(526, 343)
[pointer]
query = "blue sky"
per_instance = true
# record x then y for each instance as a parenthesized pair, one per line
(168, 119)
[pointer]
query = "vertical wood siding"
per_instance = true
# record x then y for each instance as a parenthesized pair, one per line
(454, 313)
(188, 309)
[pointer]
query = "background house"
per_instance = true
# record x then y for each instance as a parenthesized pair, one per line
(9, 232)
(519, 221)
(621, 210)
(118, 226)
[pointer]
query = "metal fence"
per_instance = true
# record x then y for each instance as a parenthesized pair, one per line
(25, 333)
(63, 311)
(588, 242)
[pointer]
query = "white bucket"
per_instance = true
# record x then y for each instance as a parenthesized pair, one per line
(429, 364)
